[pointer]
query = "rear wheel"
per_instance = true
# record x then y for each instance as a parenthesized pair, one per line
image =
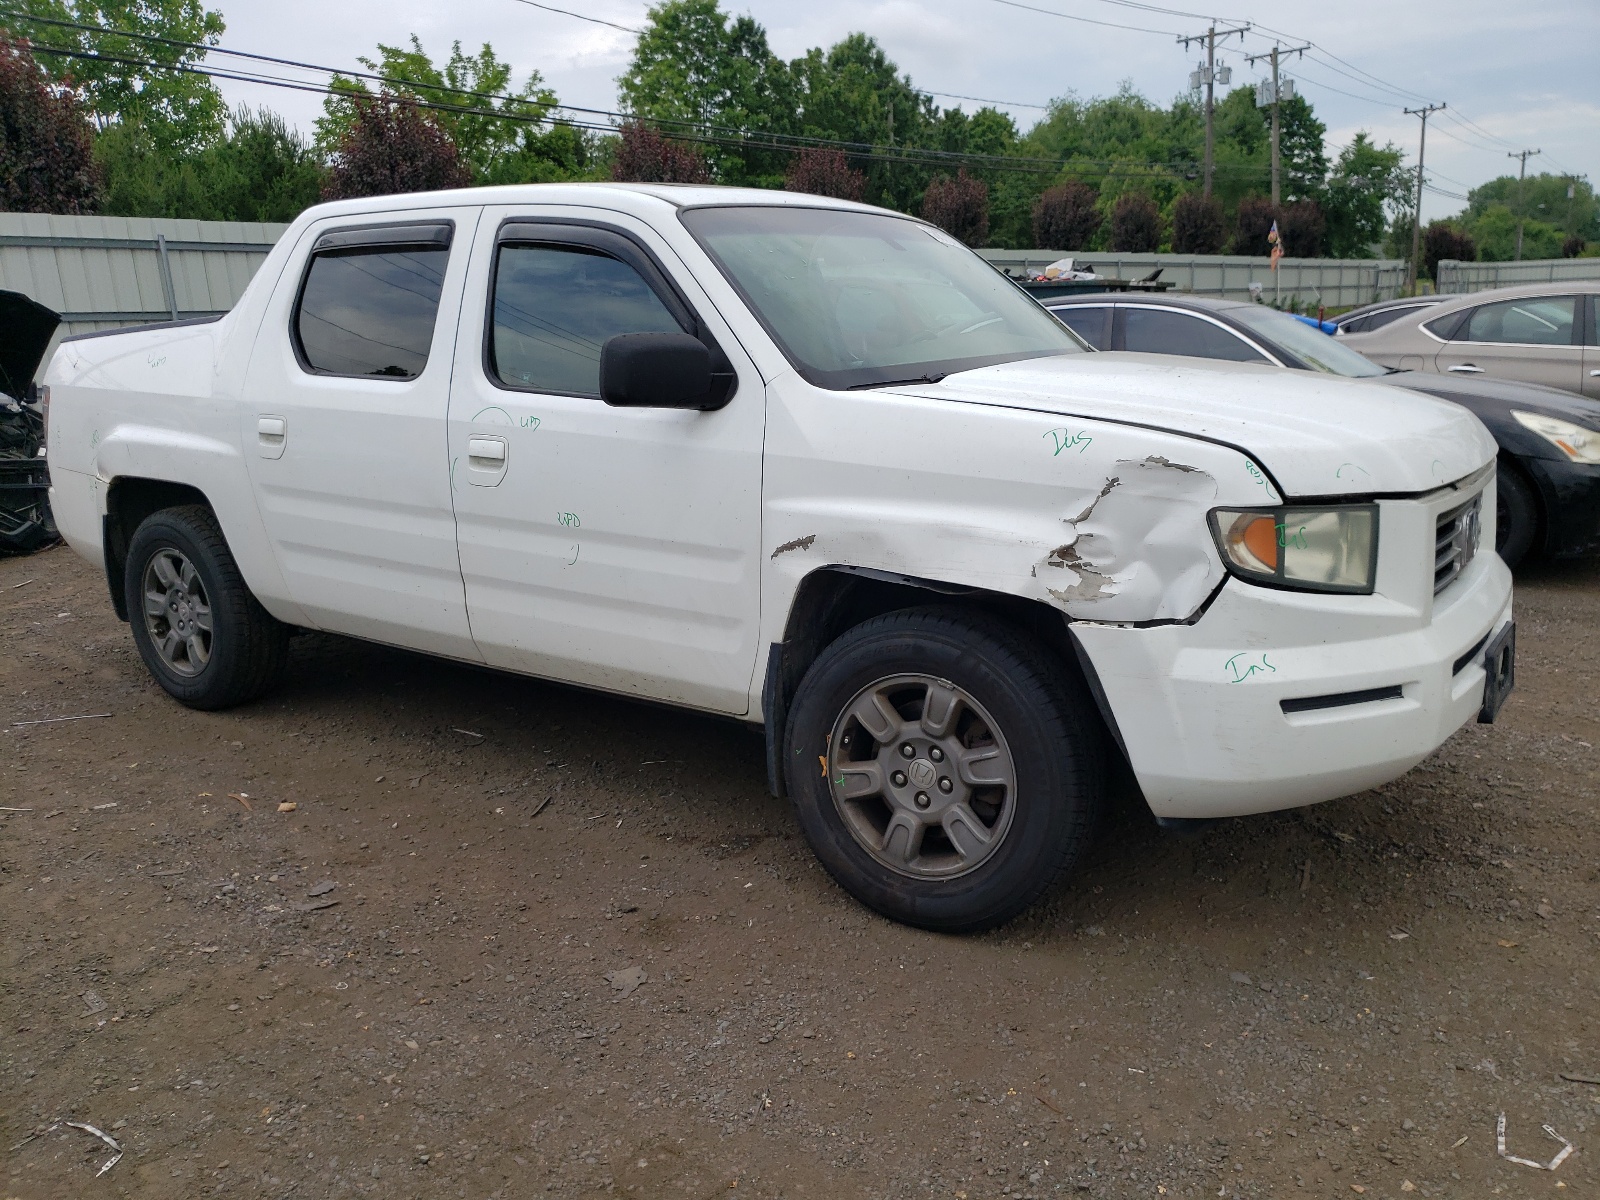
(941, 769)
(200, 632)
(1516, 519)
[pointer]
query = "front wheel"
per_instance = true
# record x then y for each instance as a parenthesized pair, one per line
(942, 770)
(200, 632)
(1516, 519)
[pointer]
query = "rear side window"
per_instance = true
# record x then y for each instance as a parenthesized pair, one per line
(1088, 321)
(1377, 320)
(369, 309)
(1153, 331)
(555, 306)
(1533, 320)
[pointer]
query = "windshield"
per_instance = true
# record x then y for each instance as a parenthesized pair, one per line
(1311, 346)
(859, 299)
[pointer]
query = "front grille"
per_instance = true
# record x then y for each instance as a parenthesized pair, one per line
(1456, 541)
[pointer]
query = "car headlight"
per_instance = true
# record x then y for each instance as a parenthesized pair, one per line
(1309, 549)
(1576, 442)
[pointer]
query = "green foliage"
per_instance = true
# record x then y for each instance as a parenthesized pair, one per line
(465, 81)
(261, 170)
(1544, 199)
(1494, 229)
(1366, 185)
(180, 111)
(694, 66)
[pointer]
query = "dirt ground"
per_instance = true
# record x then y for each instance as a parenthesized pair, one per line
(519, 940)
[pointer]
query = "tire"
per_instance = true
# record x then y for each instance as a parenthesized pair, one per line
(1034, 780)
(181, 577)
(1516, 514)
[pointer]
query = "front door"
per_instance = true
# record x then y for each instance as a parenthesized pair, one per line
(617, 548)
(344, 426)
(1535, 339)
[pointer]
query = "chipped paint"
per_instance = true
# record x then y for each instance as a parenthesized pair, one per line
(1156, 460)
(799, 543)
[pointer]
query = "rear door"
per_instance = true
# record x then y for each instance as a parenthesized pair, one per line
(344, 426)
(617, 548)
(1535, 339)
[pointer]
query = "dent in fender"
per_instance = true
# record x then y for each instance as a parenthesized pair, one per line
(1133, 552)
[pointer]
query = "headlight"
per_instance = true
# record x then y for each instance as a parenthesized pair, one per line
(1576, 442)
(1310, 549)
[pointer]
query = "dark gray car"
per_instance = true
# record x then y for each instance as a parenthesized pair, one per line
(1549, 479)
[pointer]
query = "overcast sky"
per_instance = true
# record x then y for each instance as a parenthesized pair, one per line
(1513, 77)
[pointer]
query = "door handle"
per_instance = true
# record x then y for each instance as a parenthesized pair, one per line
(1465, 369)
(272, 434)
(491, 451)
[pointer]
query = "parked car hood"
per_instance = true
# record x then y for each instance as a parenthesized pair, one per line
(1487, 394)
(26, 327)
(1319, 435)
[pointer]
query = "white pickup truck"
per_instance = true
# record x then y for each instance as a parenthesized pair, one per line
(811, 465)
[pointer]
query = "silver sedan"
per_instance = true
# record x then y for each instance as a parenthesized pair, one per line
(1546, 333)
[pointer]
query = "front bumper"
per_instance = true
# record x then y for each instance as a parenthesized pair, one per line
(1200, 708)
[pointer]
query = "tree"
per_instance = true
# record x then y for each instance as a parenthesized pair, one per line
(1252, 222)
(1065, 217)
(181, 110)
(1198, 226)
(1135, 224)
(959, 206)
(1368, 185)
(1544, 199)
(392, 146)
(823, 172)
(1303, 229)
(1443, 239)
(482, 138)
(1572, 247)
(260, 171)
(46, 142)
(693, 68)
(642, 155)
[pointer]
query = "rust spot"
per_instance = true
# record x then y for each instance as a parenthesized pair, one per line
(800, 543)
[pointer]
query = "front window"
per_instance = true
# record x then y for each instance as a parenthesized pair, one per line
(1310, 345)
(859, 299)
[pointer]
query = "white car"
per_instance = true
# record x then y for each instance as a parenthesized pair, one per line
(815, 466)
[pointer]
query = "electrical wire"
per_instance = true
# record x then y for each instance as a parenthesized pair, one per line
(567, 12)
(1050, 12)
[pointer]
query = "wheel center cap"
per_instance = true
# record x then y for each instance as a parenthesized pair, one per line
(923, 773)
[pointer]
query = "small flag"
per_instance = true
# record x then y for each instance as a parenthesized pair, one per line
(1275, 240)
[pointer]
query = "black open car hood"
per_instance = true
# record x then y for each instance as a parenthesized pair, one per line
(26, 327)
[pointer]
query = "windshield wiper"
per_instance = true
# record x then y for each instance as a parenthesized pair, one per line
(929, 378)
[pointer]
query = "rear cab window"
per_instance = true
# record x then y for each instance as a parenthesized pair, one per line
(369, 300)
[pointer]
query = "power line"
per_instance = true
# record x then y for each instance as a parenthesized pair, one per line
(567, 12)
(1050, 12)
(982, 100)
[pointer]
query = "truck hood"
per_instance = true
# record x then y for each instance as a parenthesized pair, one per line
(26, 327)
(1317, 435)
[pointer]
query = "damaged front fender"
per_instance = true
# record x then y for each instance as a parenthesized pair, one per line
(1102, 521)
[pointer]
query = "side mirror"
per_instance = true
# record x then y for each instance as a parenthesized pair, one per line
(655, 370)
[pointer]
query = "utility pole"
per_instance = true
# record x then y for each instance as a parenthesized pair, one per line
(1211, 75)
(1416, 213)
(1522, 173)
(1280, 91)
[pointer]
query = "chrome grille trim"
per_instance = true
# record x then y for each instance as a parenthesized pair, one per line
(1456, 541)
